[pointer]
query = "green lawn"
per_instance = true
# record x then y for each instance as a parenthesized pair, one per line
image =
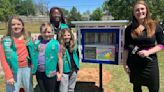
(29, 26)
(119, 81)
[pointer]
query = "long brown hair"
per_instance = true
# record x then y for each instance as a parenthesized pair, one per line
(9, 31)
(149, 24)
(71, 43)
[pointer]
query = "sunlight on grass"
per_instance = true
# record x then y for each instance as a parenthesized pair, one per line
(119, 81)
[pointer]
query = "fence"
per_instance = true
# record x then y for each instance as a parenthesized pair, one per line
(35, 18)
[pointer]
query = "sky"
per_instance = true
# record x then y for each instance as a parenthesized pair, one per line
(81, 5)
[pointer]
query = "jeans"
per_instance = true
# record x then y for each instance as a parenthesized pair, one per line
(68, 82)
(22, 78)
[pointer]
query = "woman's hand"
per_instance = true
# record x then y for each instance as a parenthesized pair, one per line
(11, 81)
(143, 53)
(126, 69)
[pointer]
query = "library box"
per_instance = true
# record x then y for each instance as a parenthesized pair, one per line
(101, 41)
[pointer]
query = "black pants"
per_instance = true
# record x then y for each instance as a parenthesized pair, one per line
(45, 84)
(138, 88)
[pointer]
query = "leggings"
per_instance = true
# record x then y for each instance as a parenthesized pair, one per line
(45, 84)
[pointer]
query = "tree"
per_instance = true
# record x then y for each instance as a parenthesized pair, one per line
(6, 10)
(86, 15)
(156, 9)
(25, 7)
(74, 15)
(42, 7)
(97, 14)
(122, 9)
(65, 12)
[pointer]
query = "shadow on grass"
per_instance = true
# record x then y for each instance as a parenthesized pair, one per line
(81, 86)
(2, 29)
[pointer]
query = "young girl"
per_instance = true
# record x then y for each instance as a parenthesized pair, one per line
(16, 56)
(70, 61)
(48, 56)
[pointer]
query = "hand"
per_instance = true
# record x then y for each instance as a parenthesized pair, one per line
(59, 76)
(126, 69)
(143, 53)
(11, 81)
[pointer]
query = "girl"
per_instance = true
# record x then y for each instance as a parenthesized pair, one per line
(16, 54)
(70, 61)
(48, 55)
(148, 36)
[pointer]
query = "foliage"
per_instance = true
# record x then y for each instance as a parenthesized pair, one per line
(25, 7)
(119, 9)
(74, 15)
(11, 7)
(97, 14)
(65, 12)
(41, 7)
(122, 9)
(6, 10)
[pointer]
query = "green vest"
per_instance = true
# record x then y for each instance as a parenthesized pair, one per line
(11, 54)
(61, 26)
(67, 61)
(51, 57)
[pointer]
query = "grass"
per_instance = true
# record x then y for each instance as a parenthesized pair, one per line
(119, 81)
(29, 26)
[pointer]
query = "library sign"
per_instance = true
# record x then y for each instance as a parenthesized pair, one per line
(101, 41)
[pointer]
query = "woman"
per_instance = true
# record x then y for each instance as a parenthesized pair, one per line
(143, 39)
(57, 20)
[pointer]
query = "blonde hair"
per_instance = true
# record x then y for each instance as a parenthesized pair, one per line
(46, 25)
(72, 40)
(9, 31)
(149, 24)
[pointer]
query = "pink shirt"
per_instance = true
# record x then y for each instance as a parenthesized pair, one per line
(22, 55)
(21, 52)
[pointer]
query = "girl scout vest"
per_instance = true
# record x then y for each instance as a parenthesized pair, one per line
(51, 57)
(11, 54)
(67, 61)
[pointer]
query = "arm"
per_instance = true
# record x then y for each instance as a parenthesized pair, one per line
(155, 49)
(125, 66)
(60, 64)
(7, 71)
(127, 41)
